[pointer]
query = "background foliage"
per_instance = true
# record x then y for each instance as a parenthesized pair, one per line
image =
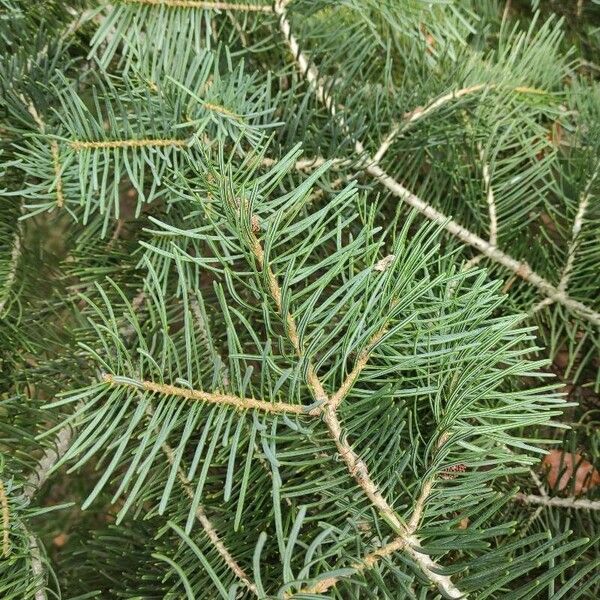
(295, 296)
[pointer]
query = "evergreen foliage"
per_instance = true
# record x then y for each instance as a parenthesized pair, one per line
(291, 294)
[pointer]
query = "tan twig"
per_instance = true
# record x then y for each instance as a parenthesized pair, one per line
(520, 268)
(422, 111)
(186, 485)
(367, 562)
(34, 113)
(49, 458)
(78, 145)
(576, 503)
(539, 305)
(361, 362)
(60, 198)
(5, 521)
(426, 490)
(576, 230)
(266, 8)
(385, 145)
(12, 269)
(419, 506)
(207, 525)
(221, 110)
(211, 398)
(54, 150)
(37, 567)
(490, 198)
(359, 471)
(312, 163)
(311, 376)
(491, 202)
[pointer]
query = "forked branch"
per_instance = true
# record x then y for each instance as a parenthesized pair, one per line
(355, 464)
(406, 542)
(359, 365)
(372, 168)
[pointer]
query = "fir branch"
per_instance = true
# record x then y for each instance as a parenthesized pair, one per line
(385, 145)
(311, 375)
(423, 111)
(575, 503)
(312, 163)
(211, 398)
(419, 506)
(490, 198)
(356, 466)
(363, 357)
(520, 268)
(539, 306)
(225, 6)
(434, 105)
(476, 413)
